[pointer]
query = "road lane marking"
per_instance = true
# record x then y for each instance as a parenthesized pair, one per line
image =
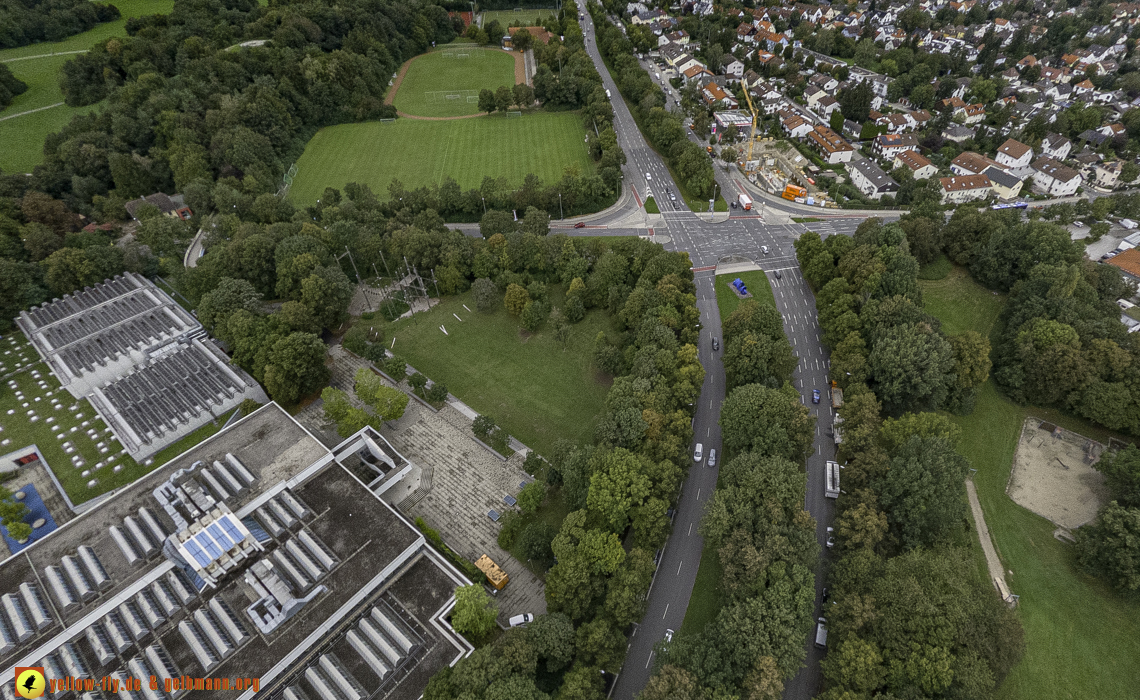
(679, 567)
(690, 532)
(649, 659)
(666, 611)
(698, 494)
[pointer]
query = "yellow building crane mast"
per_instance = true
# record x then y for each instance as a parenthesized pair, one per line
(748, 169)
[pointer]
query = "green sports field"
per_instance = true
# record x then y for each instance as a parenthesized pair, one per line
(420, 152)
(529, 17)
(446, 82)
(38, 65)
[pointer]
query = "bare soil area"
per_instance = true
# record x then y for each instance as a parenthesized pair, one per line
(1053, 474)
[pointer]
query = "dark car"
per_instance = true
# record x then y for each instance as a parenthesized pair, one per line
(716, 344)
(580, 224)
(779, 275)
(815, 395)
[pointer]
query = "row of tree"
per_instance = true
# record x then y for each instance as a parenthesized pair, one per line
(871, 313)
(907, 617)
(623, 485)
(665, 130)
(1110, 546)
(24, 22)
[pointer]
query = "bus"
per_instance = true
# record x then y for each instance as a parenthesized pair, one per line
(831, 484)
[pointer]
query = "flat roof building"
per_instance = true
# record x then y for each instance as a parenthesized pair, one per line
(145, 363)
(259, 553)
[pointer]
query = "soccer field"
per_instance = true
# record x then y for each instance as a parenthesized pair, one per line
(446, 82)
(420, 152)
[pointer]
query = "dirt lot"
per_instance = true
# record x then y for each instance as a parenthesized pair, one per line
(1053, 475)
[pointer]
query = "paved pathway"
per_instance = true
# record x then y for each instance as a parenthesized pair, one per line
(31, 111)
(993, 563)
(42, 55)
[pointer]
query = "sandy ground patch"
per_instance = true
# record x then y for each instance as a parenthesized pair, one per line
(1053, 474)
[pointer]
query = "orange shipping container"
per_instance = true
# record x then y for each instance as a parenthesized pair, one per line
(496, 576)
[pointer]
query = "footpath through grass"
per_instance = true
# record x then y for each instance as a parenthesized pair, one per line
(453, 70)
(1081, 638)
(708, 598)
(23, 137)
(534, 387)
(422, 153)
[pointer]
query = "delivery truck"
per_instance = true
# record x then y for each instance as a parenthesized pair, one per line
(745, 202)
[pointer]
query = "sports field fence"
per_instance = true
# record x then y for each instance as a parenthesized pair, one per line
(514, 114)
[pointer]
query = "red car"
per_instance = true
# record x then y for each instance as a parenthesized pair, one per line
(580, 224)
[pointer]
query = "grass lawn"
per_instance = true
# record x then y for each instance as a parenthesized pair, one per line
(536, 389)
(936, 270)
(83, 431)
(437, 72)
(23, 136)
(419, 152)
(529, 17)
(756, 282)
(1080, 636)
(651, 206)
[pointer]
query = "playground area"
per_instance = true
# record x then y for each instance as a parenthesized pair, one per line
(1053, 474)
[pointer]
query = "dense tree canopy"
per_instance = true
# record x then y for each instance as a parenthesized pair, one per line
(25, 22)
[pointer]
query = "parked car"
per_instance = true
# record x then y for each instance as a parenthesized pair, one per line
(712, 458)
(668, 638)
(580, 224)
(523, 619)
(699, 453)
(1078, 224)
(815, 395)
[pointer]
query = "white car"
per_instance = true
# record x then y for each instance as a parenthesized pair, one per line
(523, 619)
(699, 453)
(648, 177)
(712, 458)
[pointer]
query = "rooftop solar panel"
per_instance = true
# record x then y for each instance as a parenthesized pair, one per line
(221, 537)
(209, 545)
(195, 550)
(232, 529)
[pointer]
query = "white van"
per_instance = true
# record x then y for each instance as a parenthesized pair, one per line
(699, 453)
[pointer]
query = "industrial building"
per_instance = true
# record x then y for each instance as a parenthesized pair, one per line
(144, 362)
(259, 553)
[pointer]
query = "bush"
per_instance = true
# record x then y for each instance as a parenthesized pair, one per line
(437, 393)
(483, 426)
(19, 531)
(418, 382)
(485, 293)
(499, 440)
(532, 496)
(396, 368)
(535, 543)
(509, 528)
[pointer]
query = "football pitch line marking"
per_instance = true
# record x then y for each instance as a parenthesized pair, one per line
(443, 161)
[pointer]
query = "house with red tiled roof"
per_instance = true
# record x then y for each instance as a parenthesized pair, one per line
(965, 188)
(832, 147)
(1127, 262)
(920, 168)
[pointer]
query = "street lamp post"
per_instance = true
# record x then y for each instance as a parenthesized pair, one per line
(560, 214)
(484, 204)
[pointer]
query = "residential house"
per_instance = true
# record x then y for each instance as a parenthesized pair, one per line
(887, 146)
(919, 166)
(827, 106)
(1014, 154)
(1056, 146)
(734, 69)
(971, 163)
(870, 179)
(896, 123)
(957, 134)
(648, 17)
(1096, 138)
(813, 95)
(824, 82)
(1006, 185)
(1107, 175)
(972, 114)
(678, 37)
(716, 97)
(954, 103)
(698, 73)
(796, 126)
(1112, 130)
(1128, 262)
(173, 206)
(965, 188)
(920, 117)
(832, 147)
(1055, 179)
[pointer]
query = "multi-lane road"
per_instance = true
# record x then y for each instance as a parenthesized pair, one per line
(709, 244)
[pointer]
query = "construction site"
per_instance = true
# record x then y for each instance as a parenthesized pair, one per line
(773, 165)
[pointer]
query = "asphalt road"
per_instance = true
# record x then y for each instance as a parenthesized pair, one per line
(736, 240)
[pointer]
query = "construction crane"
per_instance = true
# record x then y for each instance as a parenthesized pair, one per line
(749, 171)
